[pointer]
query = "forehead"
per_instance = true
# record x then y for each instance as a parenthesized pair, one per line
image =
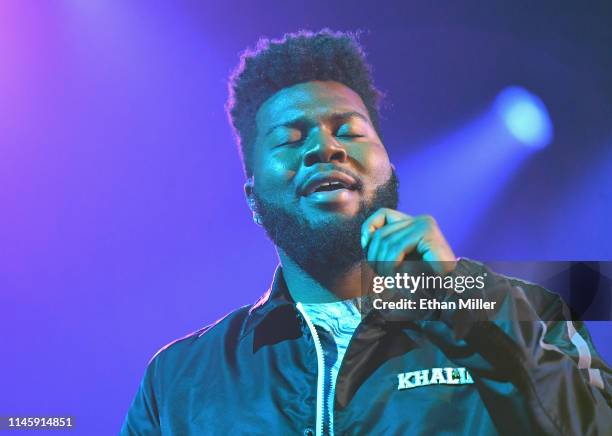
(310, 99)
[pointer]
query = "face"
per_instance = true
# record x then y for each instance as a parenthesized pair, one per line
(317, 152)
(319, 170)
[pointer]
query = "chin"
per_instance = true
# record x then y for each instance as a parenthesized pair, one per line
(342, 201)
(330, 216)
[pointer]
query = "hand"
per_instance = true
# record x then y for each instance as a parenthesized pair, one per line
(390, 237)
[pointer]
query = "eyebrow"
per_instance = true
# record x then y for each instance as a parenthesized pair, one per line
(304, 121)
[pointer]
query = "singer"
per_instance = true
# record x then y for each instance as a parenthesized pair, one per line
(303, 360)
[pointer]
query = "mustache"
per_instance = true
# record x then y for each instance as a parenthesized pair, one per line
(348, 172)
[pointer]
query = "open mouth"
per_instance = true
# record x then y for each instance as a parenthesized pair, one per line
(329, 182)
(332, 186)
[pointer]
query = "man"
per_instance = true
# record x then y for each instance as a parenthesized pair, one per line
(320, 183)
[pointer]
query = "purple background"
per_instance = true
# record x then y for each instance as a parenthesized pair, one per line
(123, 224)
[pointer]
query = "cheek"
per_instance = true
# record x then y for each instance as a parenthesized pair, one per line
(274, 173)
(375, 163)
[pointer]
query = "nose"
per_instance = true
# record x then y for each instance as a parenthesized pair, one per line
(324, 148)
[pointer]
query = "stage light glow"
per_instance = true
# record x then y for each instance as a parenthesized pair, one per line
(525, 116)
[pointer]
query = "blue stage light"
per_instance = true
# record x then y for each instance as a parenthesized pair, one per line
(525, 116)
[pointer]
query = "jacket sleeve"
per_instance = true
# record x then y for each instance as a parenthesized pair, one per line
(537, 371)
(142, 418)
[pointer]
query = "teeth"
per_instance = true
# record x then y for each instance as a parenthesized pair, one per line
(328, 186)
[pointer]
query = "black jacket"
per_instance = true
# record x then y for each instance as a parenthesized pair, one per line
(255, 372)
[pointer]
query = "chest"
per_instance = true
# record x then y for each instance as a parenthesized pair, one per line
(389, 382)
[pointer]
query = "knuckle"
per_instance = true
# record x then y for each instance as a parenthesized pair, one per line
(430, 221)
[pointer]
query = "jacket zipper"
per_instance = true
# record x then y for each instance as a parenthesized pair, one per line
(320, 375)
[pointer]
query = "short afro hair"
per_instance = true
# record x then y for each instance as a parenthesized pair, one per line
(296, 58)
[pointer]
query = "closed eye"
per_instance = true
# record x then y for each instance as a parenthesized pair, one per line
(348, 131)
(286, 143)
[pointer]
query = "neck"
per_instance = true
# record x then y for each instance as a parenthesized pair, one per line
(305, 288)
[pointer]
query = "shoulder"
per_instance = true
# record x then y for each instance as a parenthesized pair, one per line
(202, 343)
(547, 304)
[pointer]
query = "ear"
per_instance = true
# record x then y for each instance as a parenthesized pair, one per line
(248, 193)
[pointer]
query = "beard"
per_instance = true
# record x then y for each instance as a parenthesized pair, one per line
(328, 247)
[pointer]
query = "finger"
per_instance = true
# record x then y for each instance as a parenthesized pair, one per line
(423, 240)
(418, 229)
(386, 231)
(379, 247)
(399, 246)
(380, 235)
(419, 238)
(377, 220)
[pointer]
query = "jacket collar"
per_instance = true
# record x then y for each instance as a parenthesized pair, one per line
(276, 296)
